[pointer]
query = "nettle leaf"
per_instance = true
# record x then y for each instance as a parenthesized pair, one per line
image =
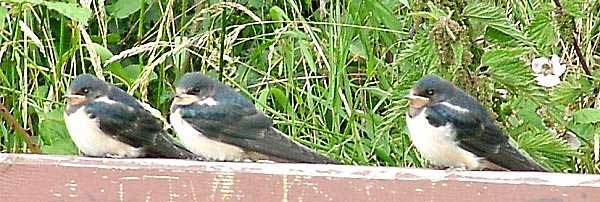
(573, 8)
(587, 115)
(570, 89)
(542, 32)
(496, 36)
(493, 17)
(52, 126)
(506, 66)
(526, 110)
(548, 150)
(422, 52)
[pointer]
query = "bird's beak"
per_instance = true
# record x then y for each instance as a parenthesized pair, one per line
(74, 99)
(416, 101)
(184, 99)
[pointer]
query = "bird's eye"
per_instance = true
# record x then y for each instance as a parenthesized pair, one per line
(430, 92)
(195, 90)
(85, 90)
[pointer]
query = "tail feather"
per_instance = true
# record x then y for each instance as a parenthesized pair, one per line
(512, 159)
(308, 155)
(165, 147)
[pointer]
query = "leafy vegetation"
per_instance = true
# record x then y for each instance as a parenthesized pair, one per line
(332, 74)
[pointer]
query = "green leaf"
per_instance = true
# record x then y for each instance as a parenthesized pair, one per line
(587, 115)
(278, 14)
(134, 71)
(358, 48)
(41, 91)
(436, 11)
(115, 68)
(383, 14)
(118, 70)
(52, 126)
(584, 131)
(262, 99)
(542, 32)
(573, 8)
(422, 51)
(307, 54)
(458, 50)
(26, 1)
(280, 98)
(508, 68)
(102, 51)
(548, 150)
(123, 8)
(571, 88)
(72, 11)
(3, 14)
(501, 57)
(526, 110)
(426, 15)
(509, 29)
(382, 149)
(255, 3)
(295, 34)
(493, 17)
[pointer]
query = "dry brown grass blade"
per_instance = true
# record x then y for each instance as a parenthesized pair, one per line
(33, 147)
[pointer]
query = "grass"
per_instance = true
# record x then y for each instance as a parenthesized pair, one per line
(332, 74)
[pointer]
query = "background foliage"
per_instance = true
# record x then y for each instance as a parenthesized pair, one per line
(332, 73)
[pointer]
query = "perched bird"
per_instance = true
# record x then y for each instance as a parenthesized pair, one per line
(452, 129)
(104, 121)
(216, 122)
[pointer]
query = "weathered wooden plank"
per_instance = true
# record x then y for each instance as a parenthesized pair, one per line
(68, 178)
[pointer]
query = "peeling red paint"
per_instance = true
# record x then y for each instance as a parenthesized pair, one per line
(67, 178)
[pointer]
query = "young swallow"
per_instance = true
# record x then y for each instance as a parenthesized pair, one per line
(104, 121)
(218, 123)
(450, 128)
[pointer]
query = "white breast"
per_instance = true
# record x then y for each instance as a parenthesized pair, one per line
(201, 145)
(438, 144)
(92, 141)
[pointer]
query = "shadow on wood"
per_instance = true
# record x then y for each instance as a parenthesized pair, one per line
(26, 177)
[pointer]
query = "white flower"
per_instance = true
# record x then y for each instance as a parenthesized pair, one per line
(547, 72)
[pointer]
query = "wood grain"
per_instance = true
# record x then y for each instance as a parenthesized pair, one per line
(68, 178)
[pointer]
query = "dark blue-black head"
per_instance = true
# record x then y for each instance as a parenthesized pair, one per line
(84, 88)
(193, 87)
(430, 89)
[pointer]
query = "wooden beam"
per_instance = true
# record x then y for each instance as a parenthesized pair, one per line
(27, 177)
